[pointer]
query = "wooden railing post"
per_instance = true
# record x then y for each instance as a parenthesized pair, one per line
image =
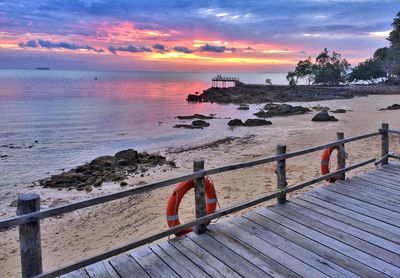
(385, 142)
(341, 156)
(199, 195)
(29, 237)
(281, 174)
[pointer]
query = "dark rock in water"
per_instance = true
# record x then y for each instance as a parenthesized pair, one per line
(3, 156)
(195, 116)
(103, 161)
(200, 123)
(193, 98)
(105, 169)
(235, 122)
(323, 116)
(243, 107)
(320, 108)
(392, 107)
(127, 157)
(339, 111)
(187, 126)
(256, 122)
(273, 109)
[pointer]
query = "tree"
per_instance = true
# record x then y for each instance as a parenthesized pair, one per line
(330, 69)
(393, 59)
(368, 71)
(303, 70)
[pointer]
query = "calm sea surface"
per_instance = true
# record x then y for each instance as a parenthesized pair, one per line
(54, 120)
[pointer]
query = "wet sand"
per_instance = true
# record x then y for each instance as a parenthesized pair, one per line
(90, 231)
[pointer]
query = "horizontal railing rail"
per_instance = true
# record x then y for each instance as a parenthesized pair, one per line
(219, 213)
(34, 216)
(29, 214)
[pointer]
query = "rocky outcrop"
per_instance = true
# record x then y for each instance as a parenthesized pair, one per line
(243, 107)
(198, 124)
(256, 122)
(194, 97)
(339, 110)
(235, 122)
(105, 169)
(248, 93)
(392, 107)
(323, 116)
(249, 122)
(195, 116)
(273, 110)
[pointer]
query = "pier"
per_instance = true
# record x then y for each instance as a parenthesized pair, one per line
(224, 80)
(350, 228)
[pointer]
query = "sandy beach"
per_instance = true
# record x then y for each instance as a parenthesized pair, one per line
(90, 231)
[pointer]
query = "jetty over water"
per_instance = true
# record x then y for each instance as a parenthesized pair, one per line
(224, 80)
(350, 228)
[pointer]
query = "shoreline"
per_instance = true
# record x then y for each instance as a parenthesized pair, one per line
(260, 93)
(93, 230)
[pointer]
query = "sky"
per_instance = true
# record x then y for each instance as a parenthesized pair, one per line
(180, 35)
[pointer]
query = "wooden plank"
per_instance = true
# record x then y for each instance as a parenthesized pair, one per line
(345, 249)
(177, 261)
(367, 198)
(152, 264)
(80, 273)
(373, 245)
(99, 270)
(379, 213)
(390, 170)
(246, 229)
(203, 259)
(126, 267)
(377, 196)
(110, 269)
(368, 187)
(314, 246)
(227, 256)
(355, 223)
(350, 214)
(378, 184)
(386, 175)
(375, 180)
(265, 263)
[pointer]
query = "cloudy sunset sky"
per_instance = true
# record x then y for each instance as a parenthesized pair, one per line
(248, 35)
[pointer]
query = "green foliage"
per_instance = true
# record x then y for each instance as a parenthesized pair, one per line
(393, 53)
(328, 70)
(394, 36)
(368, 71)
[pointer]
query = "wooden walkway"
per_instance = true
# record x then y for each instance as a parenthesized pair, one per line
(347, 229)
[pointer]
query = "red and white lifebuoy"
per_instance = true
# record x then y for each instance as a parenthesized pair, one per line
(325, 163)
(176, 198)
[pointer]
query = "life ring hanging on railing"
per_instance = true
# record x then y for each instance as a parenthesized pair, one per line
(176, 198)
(325, 163)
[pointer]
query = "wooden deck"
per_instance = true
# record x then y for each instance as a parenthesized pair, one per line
(347, 229)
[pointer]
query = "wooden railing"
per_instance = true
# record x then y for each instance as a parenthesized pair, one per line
(29, 213)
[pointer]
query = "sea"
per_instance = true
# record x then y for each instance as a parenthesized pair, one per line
(53, 120)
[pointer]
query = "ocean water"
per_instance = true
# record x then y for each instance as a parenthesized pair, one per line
(55, 120)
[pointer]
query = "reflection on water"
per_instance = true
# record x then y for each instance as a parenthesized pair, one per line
(77, 115)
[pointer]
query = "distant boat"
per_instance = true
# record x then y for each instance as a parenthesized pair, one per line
(43, 68)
